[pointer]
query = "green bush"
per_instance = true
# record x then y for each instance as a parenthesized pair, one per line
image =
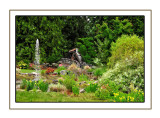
(102, 93)
(69, 81)
(83, 77)
(91, 88)
(123, 76)
(75, 90)
(43, 86)
(60, 81)
(99, 72)
(126, 48)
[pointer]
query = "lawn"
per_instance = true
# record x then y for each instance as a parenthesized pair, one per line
(25, 96)
(29, 71)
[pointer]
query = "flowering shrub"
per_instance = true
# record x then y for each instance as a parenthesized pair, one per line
(30, 85)
(31, 66)
(91, 88)
(49, 70)
(22, 65)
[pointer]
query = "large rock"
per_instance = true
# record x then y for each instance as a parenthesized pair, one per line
(55, 81)
(82, 82)
(18, 86)
(63, 72)
(96, 82)
(54, 65)
(82, 91)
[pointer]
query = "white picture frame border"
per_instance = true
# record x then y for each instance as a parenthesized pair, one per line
(147, 105)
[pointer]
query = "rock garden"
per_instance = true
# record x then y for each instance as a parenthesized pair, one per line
(80, 59)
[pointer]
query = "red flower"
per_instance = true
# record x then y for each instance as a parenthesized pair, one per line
(60, 65)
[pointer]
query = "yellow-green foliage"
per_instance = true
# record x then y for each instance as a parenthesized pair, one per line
(126, 47)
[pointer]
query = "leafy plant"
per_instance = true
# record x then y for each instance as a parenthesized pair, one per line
(69, 81)
(83, 77)
(43, 86)
(102, 93)
(60, 81)
(99, 72)
(92, 87)
(75, 90)
(30, 85)
(125, 48)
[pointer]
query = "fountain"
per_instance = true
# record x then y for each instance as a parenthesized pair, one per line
(37, 61)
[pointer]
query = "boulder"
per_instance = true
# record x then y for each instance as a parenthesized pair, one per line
(18, 86)
(82, 82)
(96, 82)
(54, 65)
(55, 81)
(82, 91)
(63, 72)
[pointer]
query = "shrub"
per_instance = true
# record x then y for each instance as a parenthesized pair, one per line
(123, 76)
(102, 93)
(43, 86)
(126, 47)
(99, 72)
(49, 70)
(75, 90)
(57, 88)
(135, 96)
(83, 77)
(91, 88)
(69, 81)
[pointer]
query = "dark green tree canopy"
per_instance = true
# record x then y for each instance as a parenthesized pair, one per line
(93, 35)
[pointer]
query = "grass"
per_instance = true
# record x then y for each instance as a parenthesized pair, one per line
(25, 96)
(29, 71)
